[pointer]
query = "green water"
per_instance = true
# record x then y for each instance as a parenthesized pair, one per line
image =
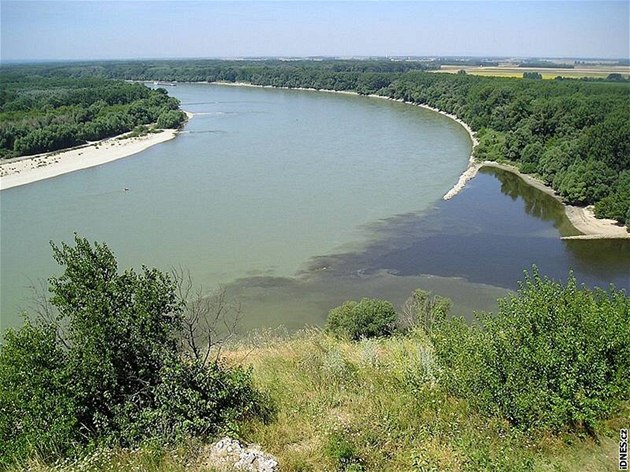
(259, 182)
(295, 201)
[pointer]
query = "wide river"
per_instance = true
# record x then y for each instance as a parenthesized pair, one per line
(296, 201)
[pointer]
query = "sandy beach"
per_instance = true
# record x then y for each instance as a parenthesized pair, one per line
(28, 169)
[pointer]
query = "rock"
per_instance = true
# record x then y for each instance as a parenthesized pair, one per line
(229, 454)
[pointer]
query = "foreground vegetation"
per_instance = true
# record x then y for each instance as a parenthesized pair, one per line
(39, 114)
(116, 375)
(113, 361)
(381, 405)
(574, 134)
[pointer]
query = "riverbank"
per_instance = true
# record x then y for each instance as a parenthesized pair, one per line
(470, 171)
(583, 219)
(29, 169)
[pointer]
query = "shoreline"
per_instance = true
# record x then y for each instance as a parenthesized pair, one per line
(582, 218)
(28, 169)
(470, 171)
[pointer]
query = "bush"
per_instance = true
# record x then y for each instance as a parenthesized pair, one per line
(117, 372)
(37, 411)
(425, 310)
(366, 319)
(553, 357)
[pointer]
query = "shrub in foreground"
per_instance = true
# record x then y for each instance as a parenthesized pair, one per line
(554, 356)
(108, 365)
(368, 318)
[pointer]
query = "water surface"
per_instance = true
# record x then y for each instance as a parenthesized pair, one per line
(296, 201)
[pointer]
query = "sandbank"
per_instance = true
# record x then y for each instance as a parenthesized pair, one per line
(28, 169)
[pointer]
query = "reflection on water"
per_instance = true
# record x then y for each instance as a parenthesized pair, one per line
(473, 249)
(536, 203)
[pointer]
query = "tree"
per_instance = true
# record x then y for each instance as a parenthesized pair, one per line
(553, 357)
(425, 310)
(37, 411)
(170, 119)
(109, 364)
(617, 204)
(122, 327)
(532, 75)
(365, 319)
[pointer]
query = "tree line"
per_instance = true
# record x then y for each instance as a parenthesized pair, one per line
(41, 114)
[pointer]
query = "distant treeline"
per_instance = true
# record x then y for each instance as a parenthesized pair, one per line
(467, 62)
(211, 70)
(547, 64)
(40, 114)
(574, 134)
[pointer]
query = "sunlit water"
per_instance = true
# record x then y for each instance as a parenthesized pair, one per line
(296, 201)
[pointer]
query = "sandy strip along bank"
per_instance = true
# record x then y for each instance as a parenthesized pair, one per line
(28, 169)
(583, 219)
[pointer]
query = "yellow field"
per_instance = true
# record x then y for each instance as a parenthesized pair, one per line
(547, 73)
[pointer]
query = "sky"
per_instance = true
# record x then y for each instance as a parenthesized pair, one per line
(78, 30)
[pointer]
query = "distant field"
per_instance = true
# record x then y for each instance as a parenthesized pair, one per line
(547, 73)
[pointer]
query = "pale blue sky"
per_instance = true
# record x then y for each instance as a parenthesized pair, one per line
(53, 30)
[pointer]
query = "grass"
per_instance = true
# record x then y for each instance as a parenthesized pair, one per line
(376, 405)
(373, 405)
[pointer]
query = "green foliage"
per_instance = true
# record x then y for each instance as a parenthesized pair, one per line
(171, 119)
(122, 328)
(343, 453)
(46, 114)
(37, 411)
(532, 75)
(365, 319)
(491, 144)
(553, 357)
(617, 204)
(109, 365)
(585, 182)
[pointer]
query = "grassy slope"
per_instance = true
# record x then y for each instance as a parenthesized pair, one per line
(373, 405)
(376, 404)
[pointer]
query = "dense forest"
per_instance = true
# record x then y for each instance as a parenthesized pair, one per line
(40, 114)
(572, 133)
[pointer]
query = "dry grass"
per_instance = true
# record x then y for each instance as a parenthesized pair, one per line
(547, 73)
(376, 405)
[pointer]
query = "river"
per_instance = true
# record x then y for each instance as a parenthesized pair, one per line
(295, 201)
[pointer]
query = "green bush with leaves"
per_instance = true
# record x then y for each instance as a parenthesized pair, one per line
(555, 356)
(37, 410)
(371, 317)
(109, 365)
